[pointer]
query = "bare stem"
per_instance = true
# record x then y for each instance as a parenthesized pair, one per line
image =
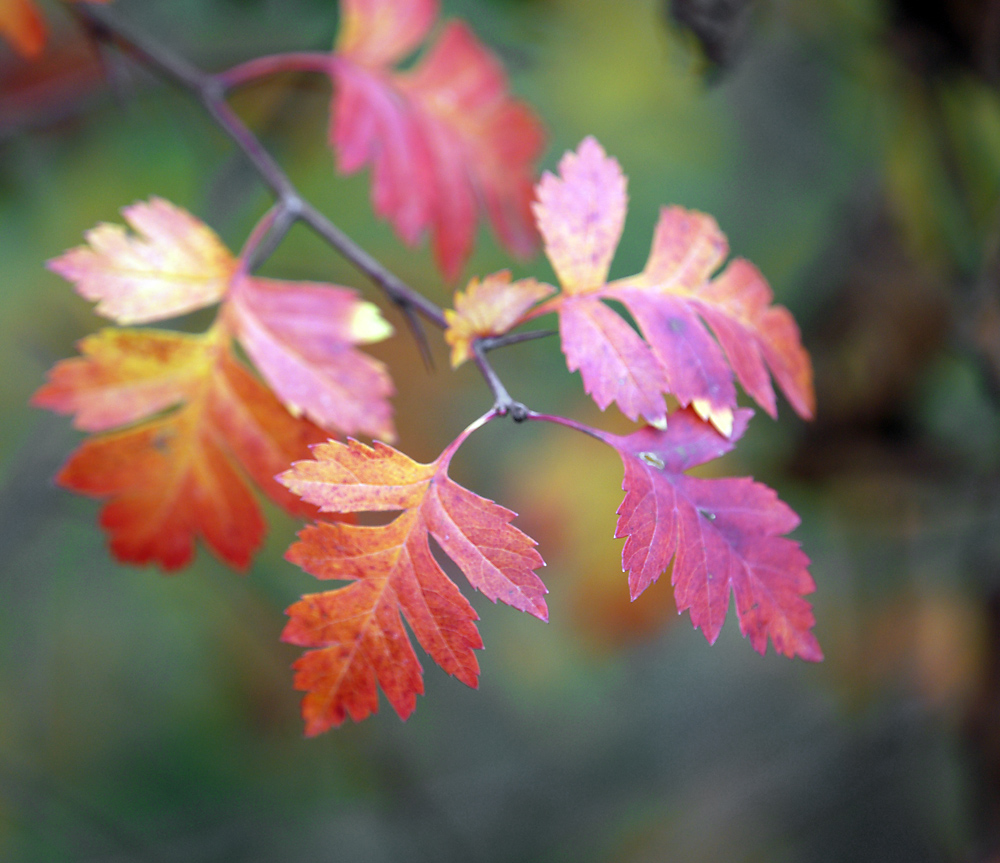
(274, 64)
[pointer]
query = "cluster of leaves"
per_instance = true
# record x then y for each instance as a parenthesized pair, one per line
(183, 428)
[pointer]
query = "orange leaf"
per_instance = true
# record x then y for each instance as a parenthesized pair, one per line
(22, 24)
(490, 307)
(355, 631)
(173, 264)
(443, 138)
(580, 215)
(176, 477)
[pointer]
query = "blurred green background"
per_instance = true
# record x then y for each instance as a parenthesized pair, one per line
(851, 149)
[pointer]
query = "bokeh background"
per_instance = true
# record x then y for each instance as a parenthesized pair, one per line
(851, 149)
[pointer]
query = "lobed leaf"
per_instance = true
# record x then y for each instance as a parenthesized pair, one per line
(443, 139)
(723, 535)
(176, 477)
(355, 632)
(301, 337)
(674, 302)
(172, 264)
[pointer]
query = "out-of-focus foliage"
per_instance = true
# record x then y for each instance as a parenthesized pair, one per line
(841, 148)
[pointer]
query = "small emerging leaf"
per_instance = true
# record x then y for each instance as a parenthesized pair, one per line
(490, 307)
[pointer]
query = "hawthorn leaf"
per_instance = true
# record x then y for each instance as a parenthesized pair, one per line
(124, 376)
(695, 332)
(301, 338)
(356, 638)
(172, 264)
(580, 215)
(724, 536)
(444, 139)
(490, 307)
(174, 477)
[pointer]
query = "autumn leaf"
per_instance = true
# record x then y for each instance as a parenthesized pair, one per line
(580, 214)
(490, 307)
(723, 535)
(23, 26)
(172, 264)
(356, 634)
(300, 335)
(444, 138)
(171, 478)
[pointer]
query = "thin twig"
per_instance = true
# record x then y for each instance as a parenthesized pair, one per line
(503, 404)
(493, 342)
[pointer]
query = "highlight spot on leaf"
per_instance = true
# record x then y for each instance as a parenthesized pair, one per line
(173, 263)
(355, 633)
(491, 307)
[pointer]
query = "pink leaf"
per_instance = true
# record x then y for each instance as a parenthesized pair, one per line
(723, 535)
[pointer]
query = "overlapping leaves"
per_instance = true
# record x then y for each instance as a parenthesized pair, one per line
(674, 302)
(183, 474)
(355, 633)
(444, 138)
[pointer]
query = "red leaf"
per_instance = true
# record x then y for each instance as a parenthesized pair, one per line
(723, 535)
(443, 138)
(23, 26)
(356, 631)
(301, 338)
(174, 478)
(580, 215)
